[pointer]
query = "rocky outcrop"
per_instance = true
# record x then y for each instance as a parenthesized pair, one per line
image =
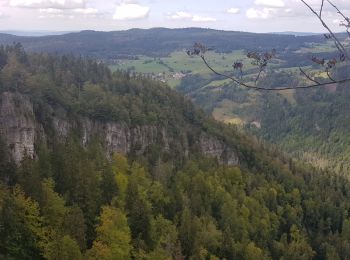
(212, 147)
(17, 125)
(117, 137)
(20, 130)
(123, 139)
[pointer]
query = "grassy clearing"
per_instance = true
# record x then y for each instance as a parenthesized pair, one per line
(180, 62)
(142, 65)
(219, 83)
(172, 68)
(318, 48)
(225, 112)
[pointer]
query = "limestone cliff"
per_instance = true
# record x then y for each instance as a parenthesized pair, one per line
(17, 124)
(20, 129)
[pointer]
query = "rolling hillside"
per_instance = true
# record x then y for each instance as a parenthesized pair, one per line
(154, 42)
(102, 165)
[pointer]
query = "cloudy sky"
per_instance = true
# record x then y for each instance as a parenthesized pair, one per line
(106, 15)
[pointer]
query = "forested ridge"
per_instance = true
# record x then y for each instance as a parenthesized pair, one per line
(75, 202)
(155, 42)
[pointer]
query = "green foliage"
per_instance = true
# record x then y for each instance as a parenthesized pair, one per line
(52, 205)
(21, 225)
(76, 201)
(155, 42)
(74, 226)
(206, 212)
(63, 248)
(113, 239)
(311, 125)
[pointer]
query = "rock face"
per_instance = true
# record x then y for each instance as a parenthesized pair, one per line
(123, 139)
(20, 129)
(17, 125)
(212, 147)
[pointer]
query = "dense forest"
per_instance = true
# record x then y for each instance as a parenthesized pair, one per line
(75, 202)
(155, 42)
(312, 125)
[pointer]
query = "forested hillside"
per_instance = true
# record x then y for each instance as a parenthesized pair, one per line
(73, 200)
(155, 42)
(314, 127)
(310, 124)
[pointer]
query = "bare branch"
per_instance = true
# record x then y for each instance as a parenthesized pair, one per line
(339, 45)
(321, 10)
(318, 84)
(308, 76)
(261, 60)
(258, 77)
(330, 77)
(339, 12)
(346, 22)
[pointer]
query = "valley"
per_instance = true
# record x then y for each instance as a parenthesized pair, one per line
(117, 148)
(253, 111)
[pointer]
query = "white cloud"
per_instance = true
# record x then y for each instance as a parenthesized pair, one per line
(86, 11)
(189, 16)
(50, 11)
(126, 11)
(127, 2)
(61, 16)
(233, 11)
(265, 9)
(295, 8)
(270, 3)
(343, 4)
(51, 16)
(198, 18)
(67, 13)
(265, 13)
(180, 16)
(45, 4)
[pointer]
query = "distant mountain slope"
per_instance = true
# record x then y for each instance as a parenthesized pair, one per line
(297, 33)
(311, 124)
(156, 41)
(34, 33)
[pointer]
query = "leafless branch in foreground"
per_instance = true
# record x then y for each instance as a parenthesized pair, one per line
(261, 60)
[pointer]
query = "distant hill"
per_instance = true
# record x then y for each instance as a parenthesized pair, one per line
(35, 33)
(155, 42)
(297, 33)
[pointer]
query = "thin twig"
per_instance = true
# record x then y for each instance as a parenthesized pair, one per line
(321, 9)
(330, 77)
(339, 45)
(270, 89)
(339, 12)
(343, 54)
(308, 76)
(342, 14)
(258, 77)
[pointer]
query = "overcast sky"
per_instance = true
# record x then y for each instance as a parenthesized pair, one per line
(107, 15)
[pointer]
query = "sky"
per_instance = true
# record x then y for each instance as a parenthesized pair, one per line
(109, 15)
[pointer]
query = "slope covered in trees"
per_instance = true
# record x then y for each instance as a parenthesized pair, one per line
(310, 124)
(155, 42)
(73, 202)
